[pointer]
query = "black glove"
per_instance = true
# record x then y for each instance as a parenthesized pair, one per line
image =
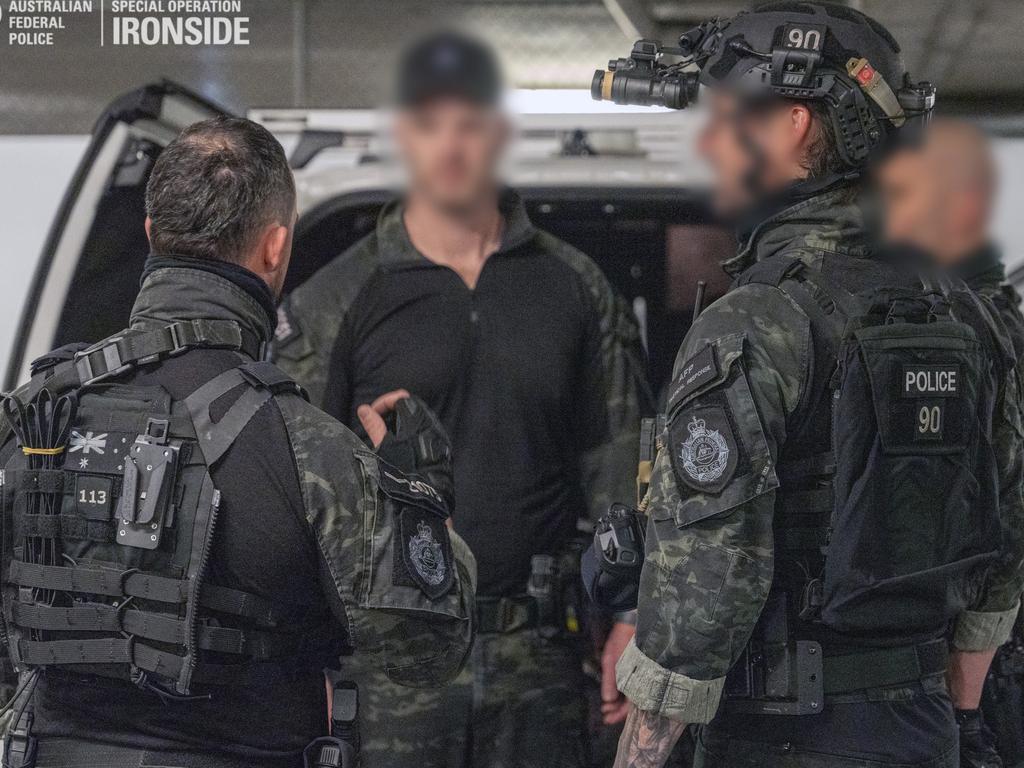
(977, 742)
(417, 444)
(611, 565)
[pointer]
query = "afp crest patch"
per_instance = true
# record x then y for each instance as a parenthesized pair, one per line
(704, 450)
(426, 553)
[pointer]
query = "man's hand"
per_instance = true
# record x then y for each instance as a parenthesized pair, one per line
(412, 440)
(966, 676)
(614, 706)
(372, 416)
(647, 739)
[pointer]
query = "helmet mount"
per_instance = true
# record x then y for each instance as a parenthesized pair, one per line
(806, 51)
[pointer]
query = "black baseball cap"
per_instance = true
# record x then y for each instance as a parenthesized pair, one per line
(449, 64)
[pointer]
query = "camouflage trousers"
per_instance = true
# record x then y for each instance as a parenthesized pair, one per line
(519, 703)
(909, 726)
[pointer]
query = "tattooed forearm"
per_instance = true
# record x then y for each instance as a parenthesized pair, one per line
(647, 740)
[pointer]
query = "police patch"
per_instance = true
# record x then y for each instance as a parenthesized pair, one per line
(426, 552)
(704, 450)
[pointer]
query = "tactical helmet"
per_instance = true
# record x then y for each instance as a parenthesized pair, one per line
(808, 51)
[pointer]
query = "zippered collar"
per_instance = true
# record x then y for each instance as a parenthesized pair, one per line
(397, 251)
(829, 220)
(180, 291)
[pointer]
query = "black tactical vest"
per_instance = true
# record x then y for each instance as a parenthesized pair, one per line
(114, 513)
(887, 514)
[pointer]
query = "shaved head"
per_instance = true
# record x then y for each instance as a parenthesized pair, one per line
(939, 196)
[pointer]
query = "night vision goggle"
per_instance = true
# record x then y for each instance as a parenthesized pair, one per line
(793, 69)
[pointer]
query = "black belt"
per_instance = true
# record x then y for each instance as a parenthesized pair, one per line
(502, 615)
(884, 667)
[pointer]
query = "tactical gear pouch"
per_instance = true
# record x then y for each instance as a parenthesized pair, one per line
(915, 519)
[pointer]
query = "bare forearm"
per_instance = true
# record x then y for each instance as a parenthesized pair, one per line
(967, 671)
(647, 739)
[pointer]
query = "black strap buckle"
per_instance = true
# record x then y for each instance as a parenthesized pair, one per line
(812, 600)
(178, 337)
(113, 363)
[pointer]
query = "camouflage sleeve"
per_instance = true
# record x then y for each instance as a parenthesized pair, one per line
(709, 538)
(614, 391)
(404, 582)
(311, 318)
(989, 624)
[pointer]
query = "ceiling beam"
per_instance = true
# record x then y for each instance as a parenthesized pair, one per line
(632, 18)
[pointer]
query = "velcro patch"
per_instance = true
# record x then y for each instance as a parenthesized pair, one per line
(411, 489)
(696, 372)
(93, 496)
(704, 451)
(930, 380)
(426, 552)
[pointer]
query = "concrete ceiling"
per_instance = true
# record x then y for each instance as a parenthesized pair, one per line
(339, 53)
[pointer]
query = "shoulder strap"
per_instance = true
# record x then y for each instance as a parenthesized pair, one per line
(828, 307)
(120, 354)
(262, 382)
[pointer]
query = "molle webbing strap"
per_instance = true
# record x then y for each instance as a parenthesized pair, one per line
(235, 602)
(144, 657)
(268, 375)
(110, 583)
(69, 526)
(98, 581)
(100, 651)
(36, 480)
(163, 628)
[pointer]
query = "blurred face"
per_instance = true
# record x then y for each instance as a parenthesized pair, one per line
(910, 199)
(752, 152)
(451, 149)
(939, 196)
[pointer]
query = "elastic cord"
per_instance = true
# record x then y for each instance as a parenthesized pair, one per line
(42, 451)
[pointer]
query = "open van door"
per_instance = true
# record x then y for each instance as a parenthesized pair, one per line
(88, 275)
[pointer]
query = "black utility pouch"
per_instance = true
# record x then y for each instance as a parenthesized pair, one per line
(916, 515)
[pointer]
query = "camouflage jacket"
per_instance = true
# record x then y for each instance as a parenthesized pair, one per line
(711, 553)
(984, 273)
(314, 316)
(352, 516)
